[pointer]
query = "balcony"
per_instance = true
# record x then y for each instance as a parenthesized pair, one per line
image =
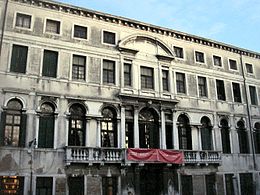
(75, 154)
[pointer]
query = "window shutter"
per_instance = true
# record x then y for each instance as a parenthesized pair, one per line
(49, 131)
(42, 132)
(2, 125)
(23, 130)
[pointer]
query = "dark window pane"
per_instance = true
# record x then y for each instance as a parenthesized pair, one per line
(127, 74)
(178, 52)
(246, 183)
(165, 80)
(220, 90)
(108, 72)
(257, 137)
(76, 185)
(50, 60)
(180, 83)
(186, 185)
(206, 134)
(184, 130)
(225, 136)
(242, 137)
(202, 86)
(44, 185)
(249, 68)
(229, 184)
(19, 59)
(253, 96)
(23, 20)
(217, 61)
(233, 64)
(199, 57)
(52, 26)
(78, 67)
(109, 37)
(236, 92)
(80, 32)
(147, 78)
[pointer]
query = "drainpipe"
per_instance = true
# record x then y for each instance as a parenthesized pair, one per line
(3, 26)
(248, 112)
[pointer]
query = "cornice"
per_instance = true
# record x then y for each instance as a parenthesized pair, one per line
(69, 9)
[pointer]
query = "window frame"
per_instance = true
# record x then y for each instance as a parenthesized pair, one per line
(128, 74)
(240, 93)
(57, 63)
(217, 91)
(184, 83)
(109, 31)
(205, 87)
(82, 26)
(109, 70)
(50, 32)
(147, 78)
(85, 67)
(22, 27)
(165, 80)
(252, 66)
(195, 57)
(221, 61)
(182, 50)
(10, 58)
(255, 102)
(45, 185)
(229, 65)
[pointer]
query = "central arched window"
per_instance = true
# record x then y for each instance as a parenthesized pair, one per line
(46, 126)
(184, 130)
(77, 125)
(13, 124)
(206, 133)
(242, 137)
(257, 137)
(148, 129)
(109, 128)
(224, 128)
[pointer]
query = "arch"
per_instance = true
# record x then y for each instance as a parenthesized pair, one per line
(48, 101)
(116, 110)
(81, 104)
(152, 39)
(22, 101)
(148, 128)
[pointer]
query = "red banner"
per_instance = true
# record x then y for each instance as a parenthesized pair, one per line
(154, 155)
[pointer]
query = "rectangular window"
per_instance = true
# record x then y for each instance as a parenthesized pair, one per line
(210, 184)
(186, 185)
(19, 59)
(146, 78)
(246, 183)
(108, 72)
(180, 82)
(221, 90)
(11, 185)
(78, 67)
(50, 61)
(199, 57)
(229, 184)
(202, 83)
(80, 32)
(178, 52)
(52, 26)
(76, 185)
(109, 185)
(127, 74)
(165, 81)
(253, 96)
(233, 64)
(44, 185)
(249, 68)
(217, 61)
(236, 92)
(109, 37)
(23, 20)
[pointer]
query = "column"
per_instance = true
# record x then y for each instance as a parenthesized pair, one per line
(98, 141)
(87, 129)
(163, 133)
(136, 128)
(119, 142)
(216, 134)
(175, 131)
(233, 136)
(122, 127)
(196, 138)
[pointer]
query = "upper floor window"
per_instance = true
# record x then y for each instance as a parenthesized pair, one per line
(77, 125)
(23, 20)
(127, 74)
(220, 90)
(225, 137)
(178, 52)
(199, 56)
(165, 80)
(253, 96)
(46, 126)
(236, 92)
(109, 72)
(233, 64)
(79, 67)
(52, 26)
(217, 61)
(180, 83)
(13, 124)
(147, 78)
(184, 130)
(19, 59)
(109, 37)
(249, 68)
(202, 84)
(80, 32)
(206, 134)
(50, 61)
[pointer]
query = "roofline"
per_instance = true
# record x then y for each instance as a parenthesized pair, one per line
(84, 12)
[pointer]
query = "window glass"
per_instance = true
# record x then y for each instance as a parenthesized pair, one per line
(221, 90)
(199, 57)
(249, 68)
(147, 78)
(50, 60)
(178, 52)
(23, 20)
(80, 32)
(78, 67)
(233, 64)
(53, 26)
(127, 74)
(108, 72)
(19, 59)
(165, 81)
(217, 61)
(109, 37)
(236, 92)
(202, 86)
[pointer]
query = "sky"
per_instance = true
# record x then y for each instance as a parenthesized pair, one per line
(235, 22)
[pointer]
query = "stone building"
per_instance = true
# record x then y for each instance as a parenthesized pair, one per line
(92, 103)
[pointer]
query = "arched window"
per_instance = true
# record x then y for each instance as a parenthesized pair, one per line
(242, 137)
(109, 128)
(77, 125)
(148, 129)
(206, 133)
(46, 126)
(184, 130)
(224, 128)
(257, 137)
(13, 124)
